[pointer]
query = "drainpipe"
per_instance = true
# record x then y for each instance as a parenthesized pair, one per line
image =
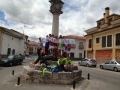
(92, 47)
(1, 45)
(92, 42)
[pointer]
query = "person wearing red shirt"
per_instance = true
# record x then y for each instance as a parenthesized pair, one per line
(68, 48)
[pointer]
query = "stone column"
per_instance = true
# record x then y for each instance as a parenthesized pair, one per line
(55, 9)
(55, 24)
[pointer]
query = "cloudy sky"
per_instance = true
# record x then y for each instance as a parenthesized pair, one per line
(78, 15)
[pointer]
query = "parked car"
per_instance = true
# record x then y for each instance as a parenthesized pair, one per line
(112, 65)
(87, 62)
(27, 54)
(11, 59)
(34, 54)
(0, 56)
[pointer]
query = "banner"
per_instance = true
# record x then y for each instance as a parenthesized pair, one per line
(71, 41)
(43, 40)
(63, 41)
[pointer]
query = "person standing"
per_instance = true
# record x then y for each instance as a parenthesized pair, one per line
(56, 46)
(40, 45)
(63, 45)
(68, 48)
(60, 45)
(47, 45)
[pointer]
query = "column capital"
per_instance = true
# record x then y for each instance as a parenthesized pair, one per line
(56, 11)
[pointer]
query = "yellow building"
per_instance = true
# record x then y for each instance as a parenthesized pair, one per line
(103, 41)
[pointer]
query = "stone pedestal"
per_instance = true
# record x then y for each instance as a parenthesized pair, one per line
(33, 73)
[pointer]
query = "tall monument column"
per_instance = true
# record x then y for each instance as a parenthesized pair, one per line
(55, 9)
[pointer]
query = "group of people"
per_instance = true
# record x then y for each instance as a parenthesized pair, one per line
(54, 48)
(57, 45)
(64, 63)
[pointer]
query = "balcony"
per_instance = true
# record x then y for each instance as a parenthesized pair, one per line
(104, 25)
(92, 29)
(115, 21)
(81, 46)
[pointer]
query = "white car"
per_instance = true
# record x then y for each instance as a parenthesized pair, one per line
(111, 65)
(87, 62)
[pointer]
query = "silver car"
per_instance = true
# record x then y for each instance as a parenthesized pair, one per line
(112, 65)
(87, 62)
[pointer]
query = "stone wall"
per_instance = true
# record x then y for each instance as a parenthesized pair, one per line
(33, 73)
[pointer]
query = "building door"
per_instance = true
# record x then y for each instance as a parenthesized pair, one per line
(72, 55)
(13, 52)
(9, 51)
(80, 55)
(118, 55)
(90, 55)
(103, 56)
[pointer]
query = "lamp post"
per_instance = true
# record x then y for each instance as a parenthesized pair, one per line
(55, 9)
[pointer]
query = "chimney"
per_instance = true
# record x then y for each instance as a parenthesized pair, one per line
(107, 11)
(104, 17)
(106, 14)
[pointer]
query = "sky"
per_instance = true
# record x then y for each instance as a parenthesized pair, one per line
(34, 19)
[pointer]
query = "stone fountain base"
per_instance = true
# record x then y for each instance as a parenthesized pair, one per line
(33, 74)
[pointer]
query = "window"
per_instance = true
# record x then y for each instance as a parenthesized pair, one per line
(118, 39)
(15, 56)
(109, 41)
(13, 51)
(80, 43)
(71, 54)
(81, 46)
(19, 56)
(112, 62)
(104, 41)
(80, 55)
(83, 60)
(107, 62)
(97, 40)
(90, 43)
(9, 51)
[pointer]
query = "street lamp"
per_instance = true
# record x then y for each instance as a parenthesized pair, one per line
(56, 10)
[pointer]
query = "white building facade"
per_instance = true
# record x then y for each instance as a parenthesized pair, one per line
(12, 42)
(77, 50)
